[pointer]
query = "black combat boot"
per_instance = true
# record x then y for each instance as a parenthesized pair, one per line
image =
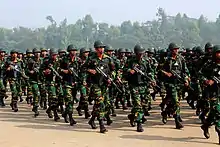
(2, 103)
(113, 112)
(205, 128)
(164, 117)
(45, 105)
(177, 122)
(49, 113)
(56, 116)
(139, 127)
(92, 122)
(131, 118)
(72, 121)
(35, 110)
(28, 100)
(143, 119)
(108, 119)
(64, 115)
(218, 132)
(102, 127)
(79, 110)
(14, 106)
(21, 99)
(87, 114)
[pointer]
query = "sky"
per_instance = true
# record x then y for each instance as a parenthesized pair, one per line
(32, 13)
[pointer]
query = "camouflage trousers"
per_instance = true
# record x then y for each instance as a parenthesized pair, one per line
(36, 93)
(214, 113)
(69, 96)
(15, 89)
(83, 103)
(102, 105)
(140, 100)
(2, 88)
(173, 92)
(43, 93)
(52, 97)
(59, 93)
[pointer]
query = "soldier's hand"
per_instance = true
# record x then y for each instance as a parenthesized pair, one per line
(109, 82)
(84, 83)
(186, 83)
(65, 71)
(9, 68)
(153, 83)
(132, 71)
(47, 71)
(168, 74)
(211, 82)
(92, 71)
(31, 71)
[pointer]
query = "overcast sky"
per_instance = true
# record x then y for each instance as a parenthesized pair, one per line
(32, 13)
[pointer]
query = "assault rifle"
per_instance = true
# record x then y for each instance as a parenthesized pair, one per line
(100, 71)
(21, 72)
(180, 79)
(145, 75)
(56, 73)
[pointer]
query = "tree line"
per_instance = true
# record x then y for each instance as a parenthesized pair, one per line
(158, 33)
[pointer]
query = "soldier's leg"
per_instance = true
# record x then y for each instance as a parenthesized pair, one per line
(43, 96)
(108, 105)
(176, 103)
(36, 95)
(29, 93)
(53, 101)
(212, 115)
(98, 110)
(60, 98)
(137, 111)
(2, 93)
(83, 104)
(69, 104)
(14, 93)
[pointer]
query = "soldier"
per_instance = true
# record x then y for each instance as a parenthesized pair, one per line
(211, 79)
(32, 71)
(139, 69)
(13, 69)
(84, 88)
(29, 55)
(100, 83)
(2, 73)
(69, 68)
(49, 69)
(173, 83)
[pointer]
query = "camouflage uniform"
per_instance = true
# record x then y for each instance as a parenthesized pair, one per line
(211, 79)
(13, 70)
(173, 85)
(83, 88)
(139, 86)
(99, 85)
(70, 64)
(49, 69)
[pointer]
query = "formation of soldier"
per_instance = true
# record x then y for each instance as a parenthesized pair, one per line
(107, 78)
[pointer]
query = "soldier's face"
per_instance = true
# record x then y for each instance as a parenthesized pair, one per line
(100, 50)
(54, 56)
(37, 54)
(44, 53)
(14, 55)
(217, 55)
(73, 53)
(86, 54)
(175, 51)
(109, 52)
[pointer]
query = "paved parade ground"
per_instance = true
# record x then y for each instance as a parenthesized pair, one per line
(21, 129)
